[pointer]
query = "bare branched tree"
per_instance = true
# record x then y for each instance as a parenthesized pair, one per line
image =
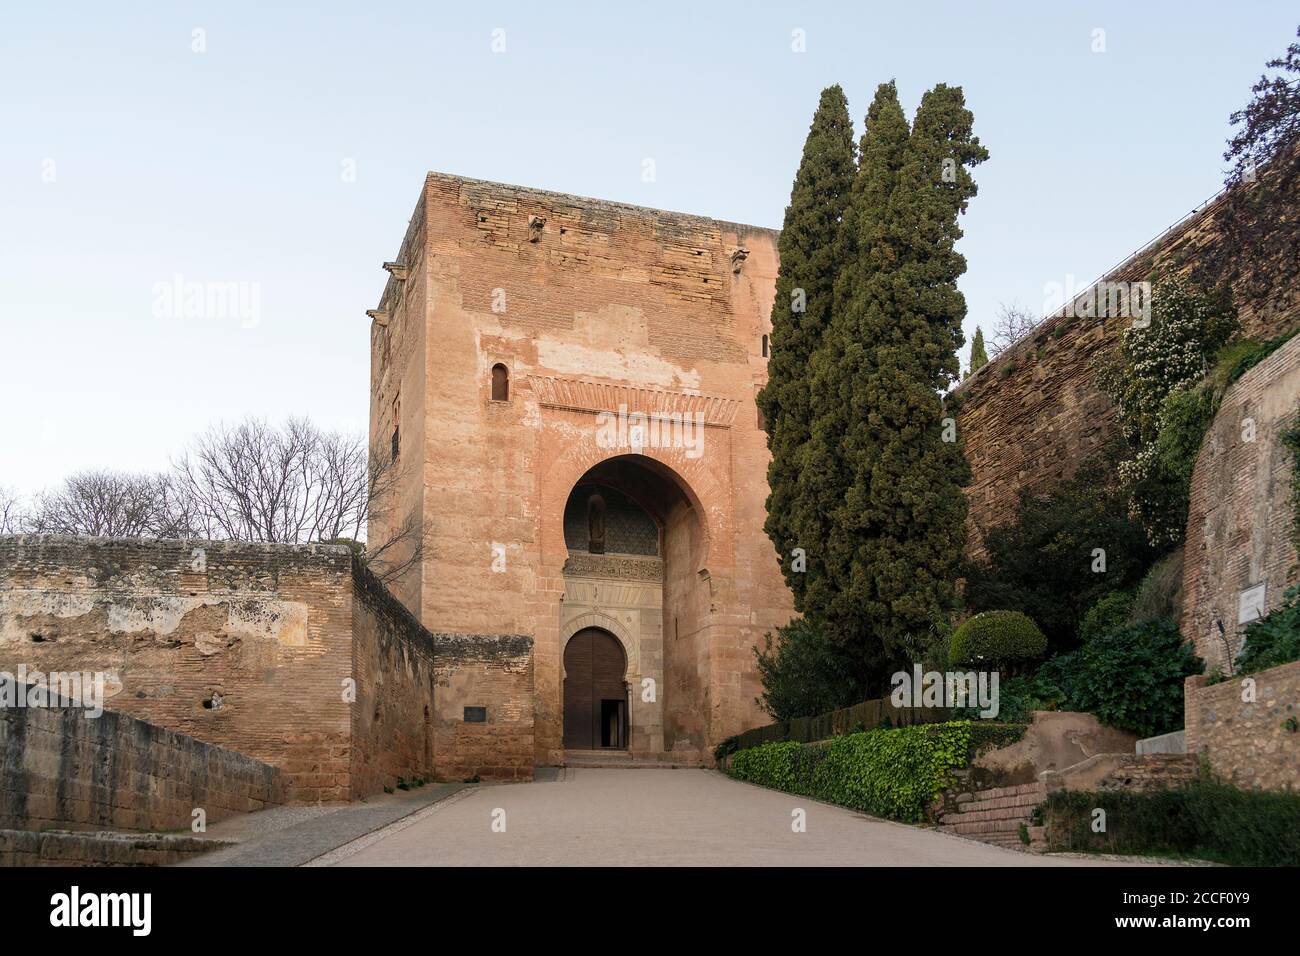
(397, 539)
(296, 483)
(13, 517)
(1013, 323)
(112, 504)
(257, 482)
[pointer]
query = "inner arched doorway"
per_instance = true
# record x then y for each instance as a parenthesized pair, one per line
(595, 691)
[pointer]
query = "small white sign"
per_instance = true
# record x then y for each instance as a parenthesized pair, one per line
(1250, 604)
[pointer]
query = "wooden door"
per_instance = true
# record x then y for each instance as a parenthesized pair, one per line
(594, 671)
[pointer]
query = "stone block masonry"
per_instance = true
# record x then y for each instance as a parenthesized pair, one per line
(1250, 733)
(484, 714)
(1036, 412)
(582, 307)
(293, 655)
(241, 645)
(60, 768)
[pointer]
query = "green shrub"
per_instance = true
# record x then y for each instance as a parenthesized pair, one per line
(888, 773)
(997, 638)
(986, 735)
(1042, 561)
(804, 673)
(1054, 680)
(1161, 592)
(1133, 679)
(726, 748)
(1109, 614)
(1019, 697)
(1291, 442)
(1237, 358)
(1206, 819)
(1274, 639)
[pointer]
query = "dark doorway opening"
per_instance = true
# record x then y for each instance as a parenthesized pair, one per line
(612, 718)
(595, 693)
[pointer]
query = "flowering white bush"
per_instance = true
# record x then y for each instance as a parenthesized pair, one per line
(1152, 384)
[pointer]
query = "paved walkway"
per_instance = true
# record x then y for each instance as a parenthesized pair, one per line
(295, 835)
(658, 817)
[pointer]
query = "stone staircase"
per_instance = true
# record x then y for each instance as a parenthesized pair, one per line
(994, 815)
(622, 759)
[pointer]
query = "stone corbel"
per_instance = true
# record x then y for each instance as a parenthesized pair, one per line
(738, 257)
(397, 270)
(535, 224)
(380, 316)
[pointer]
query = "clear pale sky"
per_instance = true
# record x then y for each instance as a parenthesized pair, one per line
(128, 159)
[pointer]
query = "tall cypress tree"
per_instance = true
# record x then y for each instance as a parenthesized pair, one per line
(841, 359)
(979, 356)
(810, 259)
(889, 476)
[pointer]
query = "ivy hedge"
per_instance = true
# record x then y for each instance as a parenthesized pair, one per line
(888, 773)
(1207, 819)
(866, 715)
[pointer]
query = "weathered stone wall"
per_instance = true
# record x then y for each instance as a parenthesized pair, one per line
(60, 768)
(398, 344)
(1252, 743)
(251, 647)
(393, 665)
(1241, 520)
(61, 848)
(493, 672)
(241, 645)
(1036, 412)
(590, 305)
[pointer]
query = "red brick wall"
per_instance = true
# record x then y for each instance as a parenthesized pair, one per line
(1241, 520)
(611, 303)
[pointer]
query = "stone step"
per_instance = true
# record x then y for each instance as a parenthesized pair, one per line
(1001, 803)
(983, 816)
(998, 793)
(621, 759)
(981, 829)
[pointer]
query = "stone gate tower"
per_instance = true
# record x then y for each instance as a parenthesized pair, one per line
(567, 386)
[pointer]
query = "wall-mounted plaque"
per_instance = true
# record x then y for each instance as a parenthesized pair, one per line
(1250, 604)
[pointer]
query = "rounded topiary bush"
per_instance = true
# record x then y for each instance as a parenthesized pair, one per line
(997, 638)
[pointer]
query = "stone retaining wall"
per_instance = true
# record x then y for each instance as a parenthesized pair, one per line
(1252, 742)
(61, 768)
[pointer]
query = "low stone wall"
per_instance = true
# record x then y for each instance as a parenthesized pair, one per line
(62, 848)
(1253, 742)
(487, 676)
(61, 768)
(1123, 771)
